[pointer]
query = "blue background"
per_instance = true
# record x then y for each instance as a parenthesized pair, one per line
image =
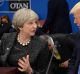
(40, 7)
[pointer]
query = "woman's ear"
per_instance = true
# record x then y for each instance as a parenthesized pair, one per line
(20, 28)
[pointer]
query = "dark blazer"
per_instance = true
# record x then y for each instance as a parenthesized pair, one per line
(57, 20)
(4, 29)
(68, 46)
(38, 51)
(64, 44)
(75, 60)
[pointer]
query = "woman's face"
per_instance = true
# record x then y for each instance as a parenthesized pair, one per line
(29, 28)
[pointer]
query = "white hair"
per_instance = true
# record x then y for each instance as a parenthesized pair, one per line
(23, 15)
(75, 8)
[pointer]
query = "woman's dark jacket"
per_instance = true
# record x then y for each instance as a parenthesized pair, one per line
(38, 51)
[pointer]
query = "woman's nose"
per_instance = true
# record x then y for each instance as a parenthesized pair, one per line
(35, 25)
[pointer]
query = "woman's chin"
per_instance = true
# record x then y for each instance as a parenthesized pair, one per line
(32, 34)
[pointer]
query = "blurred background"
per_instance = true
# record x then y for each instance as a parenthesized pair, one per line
(8, 7)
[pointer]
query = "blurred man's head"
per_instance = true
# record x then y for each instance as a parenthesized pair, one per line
(76, 12)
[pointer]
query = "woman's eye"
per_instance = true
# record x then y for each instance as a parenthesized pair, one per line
(30, 22)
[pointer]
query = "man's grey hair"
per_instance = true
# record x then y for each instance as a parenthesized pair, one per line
(23, 15)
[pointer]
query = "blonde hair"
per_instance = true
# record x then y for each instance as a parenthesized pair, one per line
(75, 8)
(23, 15)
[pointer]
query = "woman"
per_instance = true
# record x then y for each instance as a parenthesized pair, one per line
(22, 49)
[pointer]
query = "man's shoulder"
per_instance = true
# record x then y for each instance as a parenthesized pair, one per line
(75, 35)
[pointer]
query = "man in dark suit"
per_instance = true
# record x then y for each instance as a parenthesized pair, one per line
(74, 65)
(57, 20)
(5, 25)
(61, 46)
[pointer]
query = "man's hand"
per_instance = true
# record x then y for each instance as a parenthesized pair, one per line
(64, 64)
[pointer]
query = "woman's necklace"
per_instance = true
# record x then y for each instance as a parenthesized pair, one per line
(23, 44)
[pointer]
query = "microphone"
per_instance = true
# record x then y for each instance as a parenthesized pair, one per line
(49, 64)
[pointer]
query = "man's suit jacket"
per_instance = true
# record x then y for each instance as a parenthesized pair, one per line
(75, 60)
(4, 29)
(57, 20)
(64, 44)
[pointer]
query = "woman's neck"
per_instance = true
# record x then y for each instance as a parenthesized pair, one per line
(23, 37)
